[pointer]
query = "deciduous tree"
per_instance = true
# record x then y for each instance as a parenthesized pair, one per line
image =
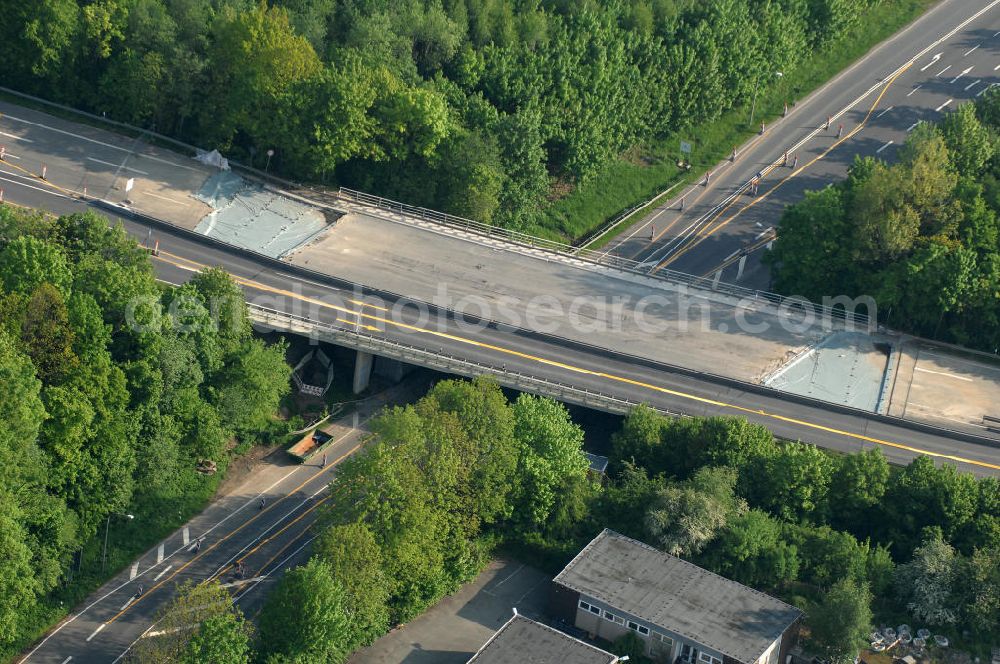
(307, 617)
(839, 623)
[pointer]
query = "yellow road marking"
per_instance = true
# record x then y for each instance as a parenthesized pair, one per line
(611, 377)
(242, 526)
(370, 328)
(291, 542)
(37, 176)
(269, 538)
(193, 266)
(745, 251)
(704, 235)
(749, 147)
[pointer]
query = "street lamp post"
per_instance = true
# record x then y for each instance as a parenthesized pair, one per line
(753, 106)
(107, 527)
(270, 153)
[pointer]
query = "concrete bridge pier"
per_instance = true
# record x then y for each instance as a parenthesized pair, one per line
(392, 370)
(362, 370)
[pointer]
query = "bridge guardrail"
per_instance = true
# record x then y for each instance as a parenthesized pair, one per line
(347, 335)
(357, 339)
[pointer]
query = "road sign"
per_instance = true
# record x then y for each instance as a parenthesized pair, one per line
(685, 147)
(129, 185)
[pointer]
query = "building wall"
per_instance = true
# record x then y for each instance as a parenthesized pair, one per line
(563, 603)
(770, 656)
(600, 625)
(788, 640)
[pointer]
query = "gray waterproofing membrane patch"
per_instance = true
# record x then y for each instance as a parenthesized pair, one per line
(248, 216)
(845, 368)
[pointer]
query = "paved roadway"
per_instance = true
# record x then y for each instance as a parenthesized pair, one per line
(948, 56)
(232, 529)
(548, 357)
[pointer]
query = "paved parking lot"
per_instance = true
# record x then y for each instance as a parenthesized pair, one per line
(454, 629)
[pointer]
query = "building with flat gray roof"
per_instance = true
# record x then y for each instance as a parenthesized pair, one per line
(683, 612)
(524, 641)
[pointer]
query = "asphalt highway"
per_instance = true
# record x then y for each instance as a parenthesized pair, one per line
(948, 56)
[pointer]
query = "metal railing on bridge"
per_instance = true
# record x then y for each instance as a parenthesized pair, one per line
(358, 338)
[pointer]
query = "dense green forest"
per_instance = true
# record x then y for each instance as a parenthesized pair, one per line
(465, 471)
(483, 108)
(921, 236)
(112, 388)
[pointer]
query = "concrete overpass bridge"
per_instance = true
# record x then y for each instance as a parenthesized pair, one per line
(402, 283)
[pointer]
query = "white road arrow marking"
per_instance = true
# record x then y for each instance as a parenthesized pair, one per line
(933, 60)
(964, 72)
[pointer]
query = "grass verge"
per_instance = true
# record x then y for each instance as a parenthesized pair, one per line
(622, 184)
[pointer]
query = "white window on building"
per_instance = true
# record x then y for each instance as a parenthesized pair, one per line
(584, 605)
(663, 638)
(705, 658)
(635, 627)
(613, 618)
(590, 607)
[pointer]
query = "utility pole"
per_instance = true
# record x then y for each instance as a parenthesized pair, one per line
(107, 527)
